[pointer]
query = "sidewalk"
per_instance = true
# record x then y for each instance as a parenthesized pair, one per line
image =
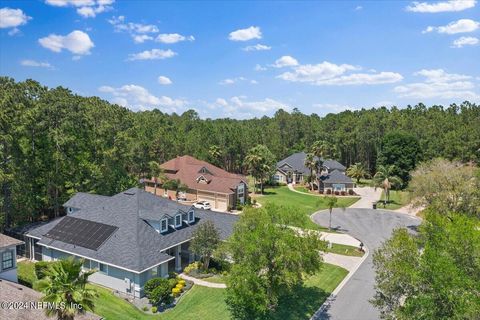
(203, 283)
(347, 262)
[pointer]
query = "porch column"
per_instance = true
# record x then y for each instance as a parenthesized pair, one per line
(178, 262)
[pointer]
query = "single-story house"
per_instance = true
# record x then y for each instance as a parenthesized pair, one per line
(204, 181)
(293, 170)
(11, 293)
(336, 181)
(8, 256)
(128, 238)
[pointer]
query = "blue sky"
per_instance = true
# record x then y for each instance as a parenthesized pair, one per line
(247, 59)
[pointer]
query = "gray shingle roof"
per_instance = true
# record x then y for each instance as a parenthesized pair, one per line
(83, 200)
(135, 245)
(6, 241)
(297, 162)
(336, 177)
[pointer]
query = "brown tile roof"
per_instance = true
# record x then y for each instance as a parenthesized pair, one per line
(14, 292)
(6, 241)
(187, 170)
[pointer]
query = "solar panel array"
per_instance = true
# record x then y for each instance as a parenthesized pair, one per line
(81, 232)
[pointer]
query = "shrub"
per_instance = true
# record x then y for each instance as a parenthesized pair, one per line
(145, 308)
(182, 282)
(329, 191)
(337, 193)
(154, 309)
(343, 193)
(176, 292)
(179, 286)
(350, 192)
(254, 201)
(160, 293)
(152, 284)
(321, 191)
(172, 275)
(192, 266)
(41, 267)
(172, 282)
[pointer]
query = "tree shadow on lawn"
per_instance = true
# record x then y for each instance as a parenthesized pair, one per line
(302, 304)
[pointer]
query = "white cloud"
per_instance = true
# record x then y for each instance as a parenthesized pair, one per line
(12, 18)
(153, 54)
(164, 80)
(77, 42)
(285, 61)
(259, 68)
(465, 41)
(141, 38)
(460, 26)
(33, 63)
(358, 8)
(239, 107)
(439, 84)
(173, 38)
(257, 47)
(327, 73)
(120, 25)
(85, 8)
(138, 98)
(246, 34)
(442, 6)
(230, 81)
(326, 108)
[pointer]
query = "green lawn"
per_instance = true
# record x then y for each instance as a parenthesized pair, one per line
(310, 297)
(304, 203)
(215, 279)
(345, 250)
(209, 303)
(364, 182)
(398, 199)
(197, 303)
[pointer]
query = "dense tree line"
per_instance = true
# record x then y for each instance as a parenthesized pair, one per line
(54, 143)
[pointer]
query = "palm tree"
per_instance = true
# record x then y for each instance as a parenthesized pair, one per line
(156, 171)
(64, 285)
(357, 171)
(321, 150)
(386, 179)
(311, 163)
(260, 163)
(331, 203)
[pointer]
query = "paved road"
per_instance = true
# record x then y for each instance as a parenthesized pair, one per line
(372, 227)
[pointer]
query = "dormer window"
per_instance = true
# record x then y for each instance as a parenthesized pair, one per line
(178, 220)
(204, 170)
(202, 179)
(164, 225)
(191, 216)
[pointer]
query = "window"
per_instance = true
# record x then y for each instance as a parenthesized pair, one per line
(240, 191)
(154, 272)
(164, 225)
(103, 267)
(178, 220)
(7, 260)
(191, 216)
(86, 264)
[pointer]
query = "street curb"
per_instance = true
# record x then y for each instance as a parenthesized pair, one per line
(332, 296)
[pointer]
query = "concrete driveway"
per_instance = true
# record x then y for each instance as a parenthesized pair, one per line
(368, 195)
(372, 227)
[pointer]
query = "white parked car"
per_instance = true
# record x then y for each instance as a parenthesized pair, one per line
(202, 205)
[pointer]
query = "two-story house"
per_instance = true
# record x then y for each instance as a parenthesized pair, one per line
(205, 182)
(128, 238)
